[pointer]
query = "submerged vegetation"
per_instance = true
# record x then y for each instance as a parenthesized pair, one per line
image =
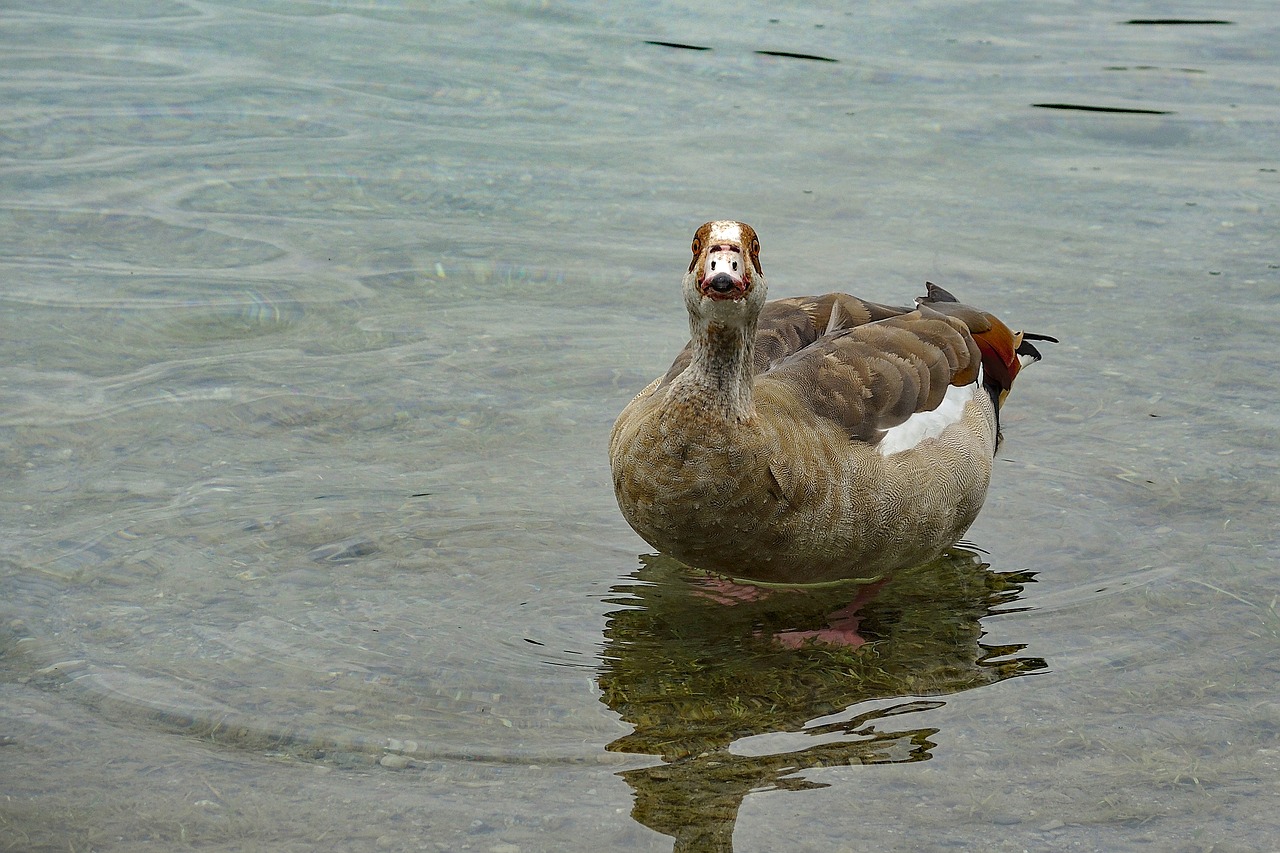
(695, 674)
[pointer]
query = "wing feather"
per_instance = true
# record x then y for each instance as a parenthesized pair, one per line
(868, 366)
(874, 376)
(787, 326)
(1000, 346)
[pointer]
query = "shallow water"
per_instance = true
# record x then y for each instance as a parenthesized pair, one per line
(316, 317)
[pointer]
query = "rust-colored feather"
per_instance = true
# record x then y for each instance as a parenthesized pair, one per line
(1000, 346)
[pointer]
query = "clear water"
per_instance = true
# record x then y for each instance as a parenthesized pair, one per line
(315, 317)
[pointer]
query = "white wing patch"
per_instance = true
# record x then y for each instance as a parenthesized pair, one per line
(922, 425)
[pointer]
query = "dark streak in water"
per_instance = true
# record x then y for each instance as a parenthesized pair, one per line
(1150, 68)
(1091, 109)
(678, 44)
(1163, 22)
(789, 55)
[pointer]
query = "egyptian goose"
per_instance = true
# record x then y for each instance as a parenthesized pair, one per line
(815, 438)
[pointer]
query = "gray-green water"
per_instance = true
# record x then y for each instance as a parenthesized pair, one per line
(314, 318)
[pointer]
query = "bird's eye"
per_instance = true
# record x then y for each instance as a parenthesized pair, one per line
(697, 250)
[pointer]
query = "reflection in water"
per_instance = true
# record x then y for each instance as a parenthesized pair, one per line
(696, 672)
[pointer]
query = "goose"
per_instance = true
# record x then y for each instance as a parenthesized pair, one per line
(817, 438)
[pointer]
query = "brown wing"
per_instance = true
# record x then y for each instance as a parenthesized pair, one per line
(1003, 350)
(876, 375)
(787, 326)
(869, 366)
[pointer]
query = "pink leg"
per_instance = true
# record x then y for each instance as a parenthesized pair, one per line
(842, 627)
(721, 590)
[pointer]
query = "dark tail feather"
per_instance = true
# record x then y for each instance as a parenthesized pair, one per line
(1027, 350)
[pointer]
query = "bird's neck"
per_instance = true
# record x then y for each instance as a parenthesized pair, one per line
(722, 370)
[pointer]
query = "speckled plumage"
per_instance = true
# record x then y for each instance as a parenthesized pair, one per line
(757, 454)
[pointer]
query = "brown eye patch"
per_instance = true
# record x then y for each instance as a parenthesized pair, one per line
(696, 248)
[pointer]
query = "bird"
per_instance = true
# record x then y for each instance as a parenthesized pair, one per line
(813, 439)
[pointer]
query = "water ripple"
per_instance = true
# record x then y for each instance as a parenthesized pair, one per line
(80, 238)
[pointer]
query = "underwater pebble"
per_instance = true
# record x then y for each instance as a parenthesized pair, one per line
(375, 420)
(60, 667)
(394, 762)
(397, 745)
(1269, 711)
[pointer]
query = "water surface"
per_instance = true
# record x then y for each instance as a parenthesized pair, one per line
(315, 318)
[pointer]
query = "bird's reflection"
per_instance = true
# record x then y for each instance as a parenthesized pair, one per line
(697, 666)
